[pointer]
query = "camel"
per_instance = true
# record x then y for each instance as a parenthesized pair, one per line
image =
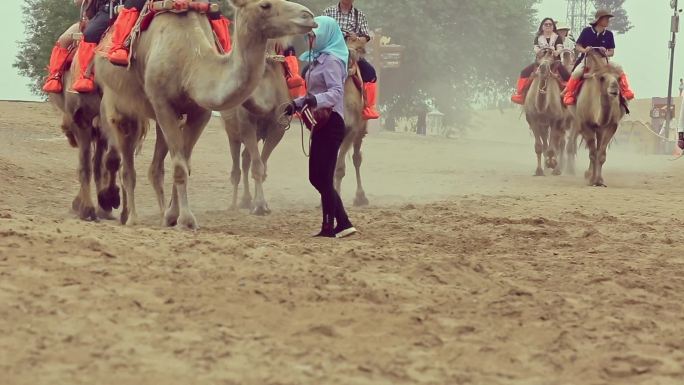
(546, 115)
(356, 126)
(260, 120)
(80, 124)
(599, 112)
(177, 78)
(567, 58)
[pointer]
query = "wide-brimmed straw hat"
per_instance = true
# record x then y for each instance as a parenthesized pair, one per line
(561, 26)
(600, 14)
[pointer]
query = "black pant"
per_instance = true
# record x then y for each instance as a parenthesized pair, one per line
(325, 146)
(137, 4)
(367, 71)
(97, 26)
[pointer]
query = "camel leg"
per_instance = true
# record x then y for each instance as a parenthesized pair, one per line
(246, 202)
(538, 149)
(341, 169)
(108, 197)
(83, 203)
(181, 143)
(155, 174)
(259, 206)
(555, 151)
(590, 139)
(127, 146)
(104, 209)
(235, 174)
(571, 149)
(273, 138)
(605, 136)
(360, 199)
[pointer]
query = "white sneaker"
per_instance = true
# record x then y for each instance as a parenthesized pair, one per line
(346, 232)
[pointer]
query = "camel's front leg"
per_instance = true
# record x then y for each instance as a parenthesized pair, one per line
(235, 173)
(246, 202)
(180, 140)
(555, 149)
(273, 138)
(258, 172)
(128, 142)
(590, 139)
(571, 152)
(604, 137)
(538, 149)
(83, 203)
(360, 199)
(156, 172)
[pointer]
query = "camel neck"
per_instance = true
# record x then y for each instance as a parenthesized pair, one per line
(224, 81)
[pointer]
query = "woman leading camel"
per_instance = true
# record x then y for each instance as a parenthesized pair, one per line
(325, 79)
(547, 37)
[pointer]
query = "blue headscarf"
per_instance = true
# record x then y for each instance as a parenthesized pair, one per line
(329, 39)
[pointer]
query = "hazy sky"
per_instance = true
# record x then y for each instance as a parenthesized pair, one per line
(642, 52)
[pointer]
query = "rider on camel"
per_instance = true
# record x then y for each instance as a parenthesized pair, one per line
(547, 38)
(596, 36)
(128, 17)
(60, 52)
(97, 13)
(354, 25)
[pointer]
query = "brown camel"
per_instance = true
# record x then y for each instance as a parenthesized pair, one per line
(598, 112)
(80, 124)
(260, 118)
(567, 59)
(356, 126)
(177, 78)
(546, 115)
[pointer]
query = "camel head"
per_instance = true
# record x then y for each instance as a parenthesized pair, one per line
(273, 19)
(567, 57)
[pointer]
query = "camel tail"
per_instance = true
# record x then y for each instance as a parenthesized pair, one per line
(144, 129)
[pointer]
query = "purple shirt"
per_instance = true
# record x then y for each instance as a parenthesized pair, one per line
(325, 80)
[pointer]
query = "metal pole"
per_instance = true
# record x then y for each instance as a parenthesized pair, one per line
(675, 25)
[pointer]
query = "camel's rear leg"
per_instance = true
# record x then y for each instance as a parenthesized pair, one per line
(360, 199)
(341, 169)
(105, 178)
(83, 203)
(155, 173)
(556, 147)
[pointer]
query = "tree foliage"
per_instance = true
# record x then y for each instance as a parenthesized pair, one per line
(44, 21)
(620, 23)
(457, 52)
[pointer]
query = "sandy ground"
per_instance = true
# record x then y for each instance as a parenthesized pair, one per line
(468, 270)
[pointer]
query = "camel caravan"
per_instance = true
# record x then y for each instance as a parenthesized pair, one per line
(173, 62)
(572, 92)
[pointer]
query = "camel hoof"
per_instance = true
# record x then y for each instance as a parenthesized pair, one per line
(76, 204)
(599, 184)
(187, 222)
(557, 172)
(246, 204)
(105, 214)
(88, 214)
(361, 200)
(539, 172)
(261, 210)
(109, 199)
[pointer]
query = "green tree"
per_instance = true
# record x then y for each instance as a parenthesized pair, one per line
(44, 21)
(620, 22)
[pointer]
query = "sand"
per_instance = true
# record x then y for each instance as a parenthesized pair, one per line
(468, 270)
